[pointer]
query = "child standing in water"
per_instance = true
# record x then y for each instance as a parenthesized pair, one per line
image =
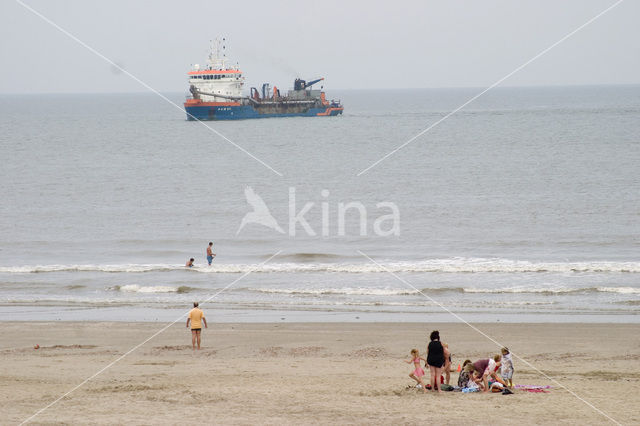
(507, 367)
(418, 372)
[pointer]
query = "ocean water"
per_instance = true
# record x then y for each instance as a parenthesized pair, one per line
(523, 207)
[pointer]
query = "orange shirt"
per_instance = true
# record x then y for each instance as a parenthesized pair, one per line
(196, 315)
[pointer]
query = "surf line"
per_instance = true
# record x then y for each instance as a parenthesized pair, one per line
(112, 363)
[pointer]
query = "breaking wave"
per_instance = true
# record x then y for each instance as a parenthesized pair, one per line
(349, 291)
(135, 288)
(310, 257)
(308, 262)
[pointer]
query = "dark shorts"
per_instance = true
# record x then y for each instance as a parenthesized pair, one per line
(196, 329)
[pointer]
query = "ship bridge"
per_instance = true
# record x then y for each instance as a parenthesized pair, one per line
(216, 78)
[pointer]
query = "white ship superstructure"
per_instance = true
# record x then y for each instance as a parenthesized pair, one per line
(217, 78)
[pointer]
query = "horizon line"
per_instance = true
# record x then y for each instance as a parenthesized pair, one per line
(540, 86)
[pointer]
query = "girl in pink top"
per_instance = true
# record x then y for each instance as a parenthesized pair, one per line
(418, 372)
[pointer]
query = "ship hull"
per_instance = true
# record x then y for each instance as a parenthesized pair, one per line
(241, 112)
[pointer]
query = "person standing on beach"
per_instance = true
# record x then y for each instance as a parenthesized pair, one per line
(417, 372)
(196, 318)
(447, 363)
(435, 359)
(210, 253)
(507, 367)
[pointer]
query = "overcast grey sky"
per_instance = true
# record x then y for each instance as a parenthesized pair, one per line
(353, 44)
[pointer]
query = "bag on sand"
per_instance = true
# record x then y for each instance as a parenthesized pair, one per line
(447, 388)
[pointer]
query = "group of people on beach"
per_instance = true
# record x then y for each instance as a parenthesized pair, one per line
(210, 256)
(479, 376)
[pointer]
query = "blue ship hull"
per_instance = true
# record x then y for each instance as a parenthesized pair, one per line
(240, 112)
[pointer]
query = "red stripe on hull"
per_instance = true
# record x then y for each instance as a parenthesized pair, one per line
(328, 111)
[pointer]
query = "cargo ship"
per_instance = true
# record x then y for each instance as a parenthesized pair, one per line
(217, 94)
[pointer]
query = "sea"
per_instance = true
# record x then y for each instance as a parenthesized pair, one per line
(524, 206)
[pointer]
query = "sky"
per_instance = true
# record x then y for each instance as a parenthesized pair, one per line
(352, 44)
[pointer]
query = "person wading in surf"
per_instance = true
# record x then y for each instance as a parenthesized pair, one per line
(210, 253)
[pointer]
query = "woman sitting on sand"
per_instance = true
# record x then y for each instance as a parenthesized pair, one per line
(463, 378)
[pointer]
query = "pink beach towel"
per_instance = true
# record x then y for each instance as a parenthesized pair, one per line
(533, 388)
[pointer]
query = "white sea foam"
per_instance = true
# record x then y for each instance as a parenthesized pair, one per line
(365, 291)
(623, 290)
(450, 265)
(89, 268)
(342, 290)
(135, 288)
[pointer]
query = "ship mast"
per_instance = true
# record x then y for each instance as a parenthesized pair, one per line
(217, 56)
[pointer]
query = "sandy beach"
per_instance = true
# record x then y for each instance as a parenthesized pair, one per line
(308, 373)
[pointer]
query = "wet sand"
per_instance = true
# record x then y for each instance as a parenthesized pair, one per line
(309, 373)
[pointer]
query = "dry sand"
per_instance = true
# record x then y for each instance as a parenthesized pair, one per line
(308, 373)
